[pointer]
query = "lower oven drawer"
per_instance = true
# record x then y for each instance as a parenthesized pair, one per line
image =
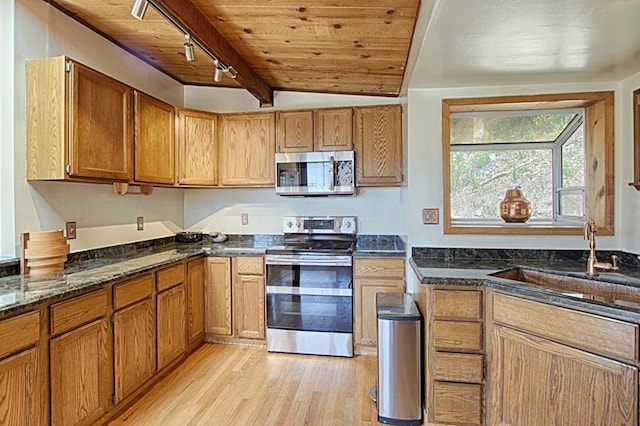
(305, 312)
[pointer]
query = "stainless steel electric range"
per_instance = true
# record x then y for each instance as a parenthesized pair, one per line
(309, 287)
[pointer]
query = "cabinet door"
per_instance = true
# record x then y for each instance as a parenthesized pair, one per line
(247, 150)
(20, 390)
(334, 129)
(379, 146)
(249, 306)
(134, 347)
(154, 140)
(538, 382)
(171, 314)
(365, 325)
(80, 375)
(197, 150)
(100, 133)
(195, 300)
(218, 296)
(294, 131)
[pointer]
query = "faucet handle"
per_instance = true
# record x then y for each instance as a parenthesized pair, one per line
(614, 260)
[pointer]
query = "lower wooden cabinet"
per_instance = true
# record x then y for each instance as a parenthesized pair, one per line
(20, 389)
(218, 296)
(171, 320)
(371, 276)
(249, 299)
(80, 375)
(549, 372)
(537, 381)
(133, 347)
(235, 300)
(195, 300)
(454, 354)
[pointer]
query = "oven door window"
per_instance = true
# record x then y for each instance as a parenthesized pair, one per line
(304, 276)
(309, 313)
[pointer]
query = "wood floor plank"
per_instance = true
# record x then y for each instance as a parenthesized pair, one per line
(244, 385)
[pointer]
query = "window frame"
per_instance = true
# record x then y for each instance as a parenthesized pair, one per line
(598, 121)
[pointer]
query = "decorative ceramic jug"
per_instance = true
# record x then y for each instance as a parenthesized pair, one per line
(514, 208)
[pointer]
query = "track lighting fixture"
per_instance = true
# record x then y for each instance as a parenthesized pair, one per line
(189, 53)
(217, 75)
(139, 9)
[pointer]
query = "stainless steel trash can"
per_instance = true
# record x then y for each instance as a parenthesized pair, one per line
(399, 388)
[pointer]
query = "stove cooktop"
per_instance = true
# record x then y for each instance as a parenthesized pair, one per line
(317, 247)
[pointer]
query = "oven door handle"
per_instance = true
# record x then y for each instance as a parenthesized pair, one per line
(298, 291)
(306, 261)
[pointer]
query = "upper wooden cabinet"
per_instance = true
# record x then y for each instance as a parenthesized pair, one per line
(197, 155)
(154, 139)
(79, 123)
(315, 130)
(247, 149)
(379, 145)
(333, 129)
(294, 131)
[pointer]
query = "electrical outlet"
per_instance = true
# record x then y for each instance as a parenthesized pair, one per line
(140, 223)
(71, 230)
(245, 218)
(430, 216)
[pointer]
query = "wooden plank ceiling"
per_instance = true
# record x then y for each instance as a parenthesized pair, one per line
(327, 46)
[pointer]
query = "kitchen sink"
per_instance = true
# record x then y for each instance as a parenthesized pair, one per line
(584, 288)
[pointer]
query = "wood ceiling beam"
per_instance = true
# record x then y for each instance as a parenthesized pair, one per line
(199, 27)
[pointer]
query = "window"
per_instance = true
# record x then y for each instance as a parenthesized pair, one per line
(558, 148)
(540, 151)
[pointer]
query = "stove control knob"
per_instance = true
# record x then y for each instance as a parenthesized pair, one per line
(347, 224)
(290, 224)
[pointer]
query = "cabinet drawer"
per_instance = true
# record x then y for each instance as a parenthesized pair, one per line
(131, 291)
(453, 367)
(457, 335)
(19, 332)
(170, 277)
(75, 312)
(249, 265)
(457, 403)
(378, 267)
(594, 333)
(457, 304)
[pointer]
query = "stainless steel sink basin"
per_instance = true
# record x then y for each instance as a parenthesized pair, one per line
(584, 288)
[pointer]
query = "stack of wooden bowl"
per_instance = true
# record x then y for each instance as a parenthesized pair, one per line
(43, 252)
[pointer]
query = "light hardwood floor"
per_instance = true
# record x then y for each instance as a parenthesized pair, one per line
(244, 385)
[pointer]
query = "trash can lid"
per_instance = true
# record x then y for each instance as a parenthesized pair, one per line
(397, 307)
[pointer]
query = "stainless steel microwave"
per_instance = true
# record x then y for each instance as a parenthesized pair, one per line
(315, 173)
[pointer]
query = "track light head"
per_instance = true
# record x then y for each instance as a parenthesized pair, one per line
(232, 72)
(217, 75)
(139, 9)
(189, 52)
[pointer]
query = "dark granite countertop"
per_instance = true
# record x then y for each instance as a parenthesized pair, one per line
(380, 245)
(90, 270)
(478, 272)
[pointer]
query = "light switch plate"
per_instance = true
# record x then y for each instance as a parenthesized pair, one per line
(140, 223)
(245, 218)
(430, 216)
(71, 230)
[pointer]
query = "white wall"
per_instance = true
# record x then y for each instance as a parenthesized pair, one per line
(103, 218)
(379, 210)
(629, 197)
(425, 169)
(7, 217)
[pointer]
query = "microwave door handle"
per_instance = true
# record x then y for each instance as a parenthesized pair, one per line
(333, 173)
